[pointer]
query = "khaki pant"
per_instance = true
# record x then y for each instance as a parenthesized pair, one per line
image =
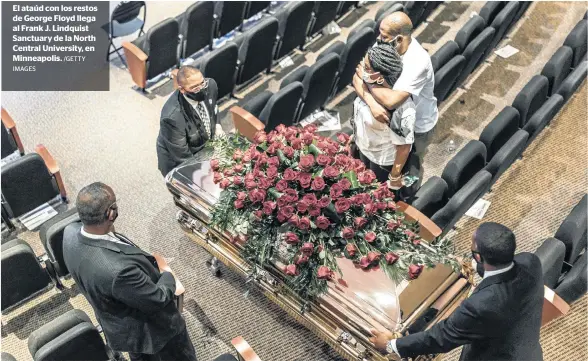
(421, 142)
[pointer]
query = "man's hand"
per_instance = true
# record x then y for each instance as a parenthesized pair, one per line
(164, 267)
(379, 112)
(395, 185)
(219, 130)
(358, 85)
(359, 71)
(381, 338)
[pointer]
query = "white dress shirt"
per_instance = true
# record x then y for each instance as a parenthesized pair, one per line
(108, 237)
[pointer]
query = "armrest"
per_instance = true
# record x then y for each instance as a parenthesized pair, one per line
(553, 306)
(137, 61)
(52, 167)
(246, 123)
(245, 351)
(11, 127)
(429, 230)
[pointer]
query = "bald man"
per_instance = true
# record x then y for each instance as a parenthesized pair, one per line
(416, 81)
(188, 119)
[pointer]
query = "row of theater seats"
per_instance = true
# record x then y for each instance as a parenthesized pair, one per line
(28, 180)
(249, 53)
(564, 264)
(458, 58)
(479, 164)
(417, 11)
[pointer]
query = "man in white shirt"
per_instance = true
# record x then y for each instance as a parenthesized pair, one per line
(416, 81)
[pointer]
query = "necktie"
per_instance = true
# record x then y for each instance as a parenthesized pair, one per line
(203, 114)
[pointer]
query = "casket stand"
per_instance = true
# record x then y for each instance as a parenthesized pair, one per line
(354, 304)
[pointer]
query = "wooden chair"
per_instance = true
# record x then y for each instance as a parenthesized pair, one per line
(10, 126)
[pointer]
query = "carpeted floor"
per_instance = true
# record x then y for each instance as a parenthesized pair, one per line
(110, 137)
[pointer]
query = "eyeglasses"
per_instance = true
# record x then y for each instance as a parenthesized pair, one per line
(200, 86)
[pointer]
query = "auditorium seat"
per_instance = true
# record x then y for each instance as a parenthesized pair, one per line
(51, 235)
(572, 231)
(366, 23)
(574, 284)
(446, 77)
(523, 6)
(10, 142)
(474, 53)
(323, 13)
(350, 54)
(31, 181)
(256, 49)
(502, 23)
(345, 6)
(490, 10)
(445, 53)
(543, 116)
(388, 8)
(22, 275)
(221, 65)
(153, 53)
(317, 81)
(558, 68)
(468, 32)
(431, 197)
(254, 7)
(551, 254)
(430, 6)
(531, 98)
(571, 83)
(294, 19)
(577, 39)
(461, 201)
(500, 130)
(507, 154)
(229, 16)
(464, 165)
(267, 110)
(71, 336)
(415, 10)
(197, 27)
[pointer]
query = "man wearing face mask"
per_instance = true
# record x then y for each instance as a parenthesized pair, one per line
(417, 81)
(502, 317)
(132, 300)
(188, 119)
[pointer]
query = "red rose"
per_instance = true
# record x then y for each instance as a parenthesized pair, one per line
(281, 128)
(291, 270)
(306, 161)
(291, 238)
(324, 273)
(310, 128)
(323, 160)
(341, 160)
(351, 249)
(382, 192)
(304, 179)
(271, 136)
(238, 154)
(283, 201)
(265, 183)
(370, 209)
(273, 148)
(291, 194)
(359, 222)
(260, 137)
(370, 237)
(304, 223)
(307, 248)
(391, 258)
(414, 271)
(381, 205)
(228, 172)
(238, 204)
(214, 164)
(288, 152)
(392, 205)
(272, 172)
(336, 191)
(297, 143)
(310, 198)
(343, 138)
(290, 174)
(241, 196)
(345, 184)
(392, 225)
(294, 220)
(347, 233)
(366, 177)
(314, 210)
(217, 177)
(318, 184)
(249, 177)
(332, 150)
(324, 202)
(238, 181)
(364, 262)
(258, 214)
(301, 258)
(281, 185)
(358, 165)
(273, 161)
(307, 138)
(342, 205)
(331, 172)
(268, 207)
(288, 211)
(373, 257)
(225, 183)
(322, 222)
(250, 184)
(247, 157)
(302, 206)
(257, 195)
(412, 237)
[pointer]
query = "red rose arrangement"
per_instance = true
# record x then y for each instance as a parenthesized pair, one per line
(295, 184)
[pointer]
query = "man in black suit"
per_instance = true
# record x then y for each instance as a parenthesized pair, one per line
(132, 300)
(502, 317)
(188, 119)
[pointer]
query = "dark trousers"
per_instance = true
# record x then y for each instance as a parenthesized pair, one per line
(179, 348)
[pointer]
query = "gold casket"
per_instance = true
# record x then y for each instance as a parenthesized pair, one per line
(354, 303)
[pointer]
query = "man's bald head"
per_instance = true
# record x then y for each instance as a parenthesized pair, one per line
(188, 77)
(93, 202)
(397, 23)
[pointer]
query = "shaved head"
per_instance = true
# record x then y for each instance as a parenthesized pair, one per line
(397, 23)
(188, 76)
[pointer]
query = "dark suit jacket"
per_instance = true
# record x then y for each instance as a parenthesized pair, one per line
(499, 321)
(132, 300)
(181, 131)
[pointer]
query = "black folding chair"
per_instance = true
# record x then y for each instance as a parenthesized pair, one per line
(125, 21)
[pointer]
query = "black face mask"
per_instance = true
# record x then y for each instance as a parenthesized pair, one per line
(197, 97)
(479, 265)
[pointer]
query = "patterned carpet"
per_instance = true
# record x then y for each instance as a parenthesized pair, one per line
(110, 136)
